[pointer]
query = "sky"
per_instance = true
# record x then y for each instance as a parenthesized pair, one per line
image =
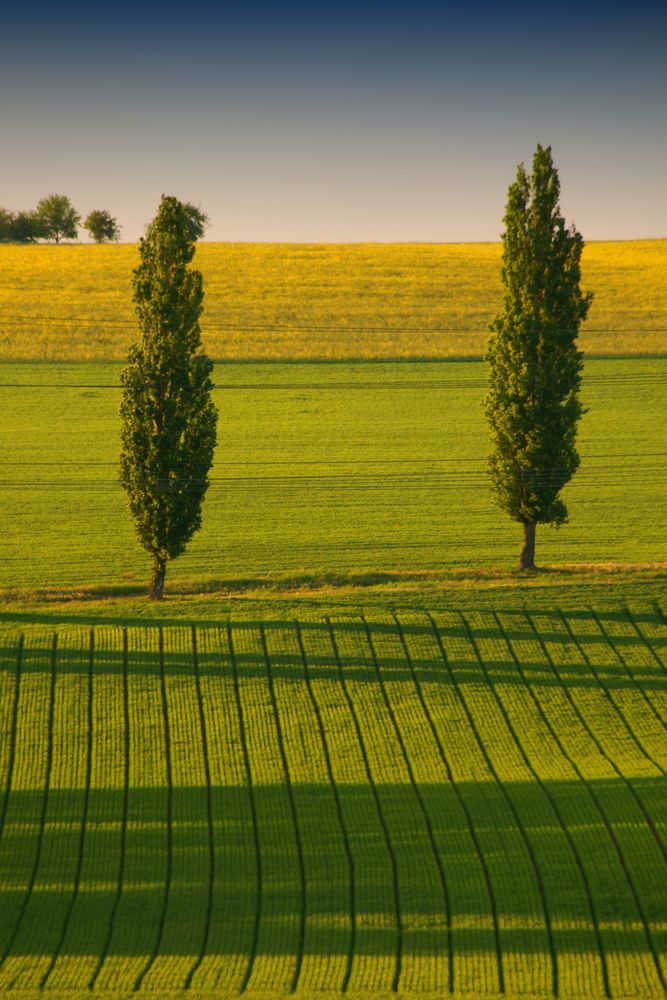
(336, 122)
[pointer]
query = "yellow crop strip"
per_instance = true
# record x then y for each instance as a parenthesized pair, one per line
(319, 301)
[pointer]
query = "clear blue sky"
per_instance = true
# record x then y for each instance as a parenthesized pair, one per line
(334, 121)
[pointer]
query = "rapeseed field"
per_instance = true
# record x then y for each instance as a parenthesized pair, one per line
(319, 301)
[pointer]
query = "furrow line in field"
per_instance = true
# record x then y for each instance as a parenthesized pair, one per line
(339, 810)
(457, 792)
(292, 804)
(11, 756)
(493, 771)
(170, 807)
(209, 810)
(524, 833)
(617, 770)
(42, 819)
(383, 822)
(614, 648)
(602, 813)
(554, 805)
(123, 820)
(253, 811)
(652, 652)
(422, 806)
(84, 817)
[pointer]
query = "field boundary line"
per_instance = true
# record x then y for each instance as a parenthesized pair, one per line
(601, 811)
(84, 817)
(42, 819)
(209, 810)
(378, 806)
(544, 786)
(12, 733)
(457, 791)
(422, 806)
(339, 809)
(517, 818)
(170, 807)
(612, 763)
(253, 812)
(295, 821)
(123, 822)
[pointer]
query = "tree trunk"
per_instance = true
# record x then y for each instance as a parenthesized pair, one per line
(157, 582)
(527, 557)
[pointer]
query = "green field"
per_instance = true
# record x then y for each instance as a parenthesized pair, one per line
(323, 470)
(463, 802)
(327, 301)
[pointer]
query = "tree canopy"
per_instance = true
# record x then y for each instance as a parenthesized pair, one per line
(58, 217)
(102, 226)
(168, 417)
(532, 406)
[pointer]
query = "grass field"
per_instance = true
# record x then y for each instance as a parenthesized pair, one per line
(452, 801)
(327, 301)
(323, 470)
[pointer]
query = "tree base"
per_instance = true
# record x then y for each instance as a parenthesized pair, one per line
(156, 591)
(527, 557)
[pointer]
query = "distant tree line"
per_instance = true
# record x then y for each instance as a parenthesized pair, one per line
(56, 219)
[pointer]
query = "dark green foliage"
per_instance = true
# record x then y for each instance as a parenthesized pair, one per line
(197, 221)
(532, 405)
(169, 420)
(27, 227)
(59, 218)
(6, 225)
(102, 226)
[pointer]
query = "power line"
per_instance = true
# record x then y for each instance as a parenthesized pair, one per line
(287, 327)
(629, 378)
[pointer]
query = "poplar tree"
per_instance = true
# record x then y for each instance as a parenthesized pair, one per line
(168, 417)
(532, 405)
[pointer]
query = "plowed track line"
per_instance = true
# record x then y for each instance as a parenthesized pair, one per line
(339, 810)
(84, 817)
(378, 806)
(292, 804)
(602, 813)
(12, 734)
(564, 827)
(170, 808)
(422, 806)
(612, 763)
(517, 819)
(253, 810)
(660, 662)
(209, 811)
(621, 659)
(123, 822)
(457, 792)
(45, 798)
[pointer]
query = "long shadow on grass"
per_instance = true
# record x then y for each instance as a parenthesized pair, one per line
(589, 636)
(328, 925)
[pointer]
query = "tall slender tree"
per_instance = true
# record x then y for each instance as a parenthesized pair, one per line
(168, 417)
(533, 406)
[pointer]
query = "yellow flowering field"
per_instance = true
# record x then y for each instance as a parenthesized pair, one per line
(317, 301)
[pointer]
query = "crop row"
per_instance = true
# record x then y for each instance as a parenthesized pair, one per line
(453, 802)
